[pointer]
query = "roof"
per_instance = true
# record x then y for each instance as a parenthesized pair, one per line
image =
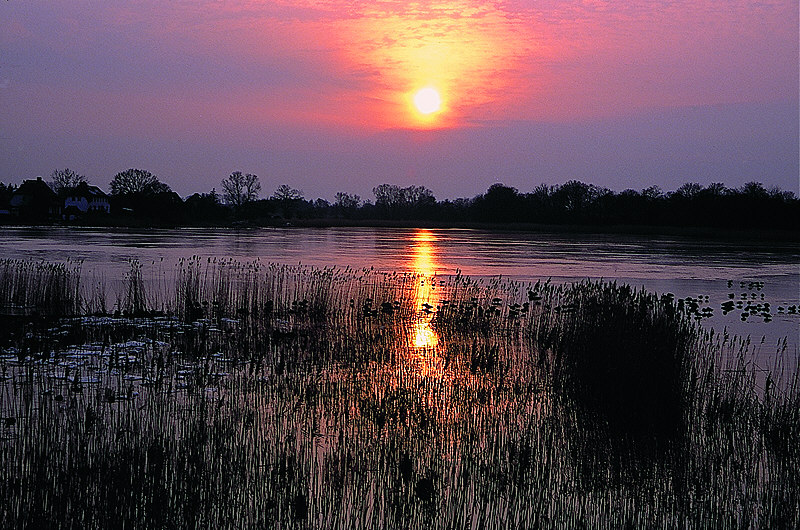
(32, 191)
(36, 187)
(90, 192)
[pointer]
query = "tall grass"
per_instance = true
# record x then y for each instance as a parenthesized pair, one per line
(258, 395)
(28, 286)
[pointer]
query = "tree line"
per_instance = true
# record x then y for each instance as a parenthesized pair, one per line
(138, 195)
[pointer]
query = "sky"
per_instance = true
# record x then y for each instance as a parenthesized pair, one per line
(319, 94)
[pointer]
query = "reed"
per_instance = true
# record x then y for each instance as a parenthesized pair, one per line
(260, 395)
(28, 286)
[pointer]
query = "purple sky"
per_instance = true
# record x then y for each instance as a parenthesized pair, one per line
(318, 94)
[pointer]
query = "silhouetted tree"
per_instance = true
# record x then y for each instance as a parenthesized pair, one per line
(626, 207)
(346, 204)
(164, 207)
(286, 193)
(418, 196)
(456, 210)
(320, 208)
(137, 182)
(396, 202)
(139, 193)
(690, 190)
(239, 188)
(288, 199)
(576, 197)
(754, 190)
(781, 195)
(388, 196)
(716, 189)
(6, 191)
(204, 207)
(539, 204)
(346, 201)
(541, 195)
(62, 181)
(500, 203)
(653, 193)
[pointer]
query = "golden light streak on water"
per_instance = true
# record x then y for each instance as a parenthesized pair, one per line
(426, 297)
(424, 336)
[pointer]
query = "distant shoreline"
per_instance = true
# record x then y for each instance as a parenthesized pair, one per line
(713, 233)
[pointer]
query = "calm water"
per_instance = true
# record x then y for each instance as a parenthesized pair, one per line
(685, 267)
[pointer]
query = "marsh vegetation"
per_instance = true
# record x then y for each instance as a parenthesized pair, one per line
(246, 394)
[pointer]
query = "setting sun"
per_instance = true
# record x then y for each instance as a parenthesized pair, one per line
(427, 100)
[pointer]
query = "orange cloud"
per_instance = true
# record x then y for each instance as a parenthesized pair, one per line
(356, 65)
(464, 49)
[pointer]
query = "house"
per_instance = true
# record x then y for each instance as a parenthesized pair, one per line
(34, 201)
(85, 200)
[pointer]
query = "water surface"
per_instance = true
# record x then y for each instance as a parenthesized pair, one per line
(748, 271)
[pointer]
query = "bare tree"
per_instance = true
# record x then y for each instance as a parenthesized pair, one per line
(689, 190)
(239, 188)
(289, 200)
(285, 193)
(347, 200)
(753, 189)
(393, 196)
(576, 196)
(653, 193)
(716, 189)
(137, 181)
(388, 195)
(418, 195)
(64, 180)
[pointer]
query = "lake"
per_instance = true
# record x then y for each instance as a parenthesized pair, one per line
(348, 394)
(710, 273)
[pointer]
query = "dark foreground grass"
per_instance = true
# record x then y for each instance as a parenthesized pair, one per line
(256, 395)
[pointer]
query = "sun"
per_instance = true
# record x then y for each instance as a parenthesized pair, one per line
(427, 100)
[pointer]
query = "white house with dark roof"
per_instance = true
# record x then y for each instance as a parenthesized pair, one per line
(85, 199)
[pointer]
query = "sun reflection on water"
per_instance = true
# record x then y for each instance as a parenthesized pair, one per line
(424, 336)
(426, 297)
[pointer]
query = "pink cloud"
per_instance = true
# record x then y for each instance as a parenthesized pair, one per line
(240, 73)
(357, 62)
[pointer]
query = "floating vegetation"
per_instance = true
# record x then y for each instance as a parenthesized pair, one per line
(264, 396)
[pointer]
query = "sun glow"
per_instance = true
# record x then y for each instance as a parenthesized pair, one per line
(432, 65)
(427, 100)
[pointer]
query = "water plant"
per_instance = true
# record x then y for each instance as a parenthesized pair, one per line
(261, 395)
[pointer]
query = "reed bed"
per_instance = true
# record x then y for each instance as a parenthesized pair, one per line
(28, 286)
(255, 395)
